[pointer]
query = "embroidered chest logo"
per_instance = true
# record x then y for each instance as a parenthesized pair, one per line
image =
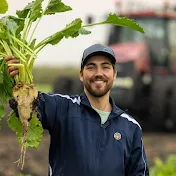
(117, 136)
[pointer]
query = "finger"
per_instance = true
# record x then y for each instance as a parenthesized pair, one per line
(13, 73)
(14, 61)
(12, 68)
(7, 58)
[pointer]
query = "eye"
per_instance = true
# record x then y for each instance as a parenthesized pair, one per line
(90, 68)
(106, 67)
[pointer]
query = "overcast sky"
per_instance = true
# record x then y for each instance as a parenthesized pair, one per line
(69, 51)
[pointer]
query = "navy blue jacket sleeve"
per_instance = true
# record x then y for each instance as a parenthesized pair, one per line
(47, 110)
(137, 165)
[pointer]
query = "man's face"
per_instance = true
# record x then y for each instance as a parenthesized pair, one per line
(98, 76)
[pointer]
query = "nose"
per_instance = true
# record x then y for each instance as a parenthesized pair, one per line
(99, 71)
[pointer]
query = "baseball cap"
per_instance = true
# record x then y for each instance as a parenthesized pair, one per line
(95, 50)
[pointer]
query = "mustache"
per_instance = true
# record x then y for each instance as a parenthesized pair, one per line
(98, 78)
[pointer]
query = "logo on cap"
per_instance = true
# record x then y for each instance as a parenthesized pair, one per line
(117, 136)
(106, 49)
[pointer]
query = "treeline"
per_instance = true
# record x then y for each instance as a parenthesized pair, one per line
(48, 75)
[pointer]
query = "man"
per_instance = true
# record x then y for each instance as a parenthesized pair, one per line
(90, 135)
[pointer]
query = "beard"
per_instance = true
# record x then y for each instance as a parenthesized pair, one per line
(98, 90)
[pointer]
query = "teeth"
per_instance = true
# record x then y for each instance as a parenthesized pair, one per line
(98, 81)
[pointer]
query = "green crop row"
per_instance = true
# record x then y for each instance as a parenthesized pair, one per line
(167, 168)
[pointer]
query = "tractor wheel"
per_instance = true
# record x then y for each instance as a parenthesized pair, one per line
(172, 120)
(63, 85)
(77, 86)
(160, 102)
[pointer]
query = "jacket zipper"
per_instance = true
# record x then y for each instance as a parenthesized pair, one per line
(99, 141)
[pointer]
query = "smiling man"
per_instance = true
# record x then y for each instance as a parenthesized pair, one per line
(98, 76)
(90, 135)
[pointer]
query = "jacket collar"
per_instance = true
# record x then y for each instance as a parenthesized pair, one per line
(116, 111)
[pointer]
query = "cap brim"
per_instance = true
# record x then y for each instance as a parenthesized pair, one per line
(100, 53)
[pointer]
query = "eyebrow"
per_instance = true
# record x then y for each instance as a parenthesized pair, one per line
(104, 63)
(90, 64)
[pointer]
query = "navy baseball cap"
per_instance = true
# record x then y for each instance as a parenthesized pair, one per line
(97, 50)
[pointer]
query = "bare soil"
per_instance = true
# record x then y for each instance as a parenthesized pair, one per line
(36, 164)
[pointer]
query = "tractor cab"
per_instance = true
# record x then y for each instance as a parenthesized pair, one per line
(153, 51)
(146, 66)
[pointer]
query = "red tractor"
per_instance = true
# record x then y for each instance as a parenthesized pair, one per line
(146, 66)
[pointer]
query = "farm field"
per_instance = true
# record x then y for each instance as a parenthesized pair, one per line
(156, 144)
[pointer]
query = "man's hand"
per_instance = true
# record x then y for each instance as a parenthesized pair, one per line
(12, 70)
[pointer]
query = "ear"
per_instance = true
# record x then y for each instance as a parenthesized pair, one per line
(115, 75)
(81, 75)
